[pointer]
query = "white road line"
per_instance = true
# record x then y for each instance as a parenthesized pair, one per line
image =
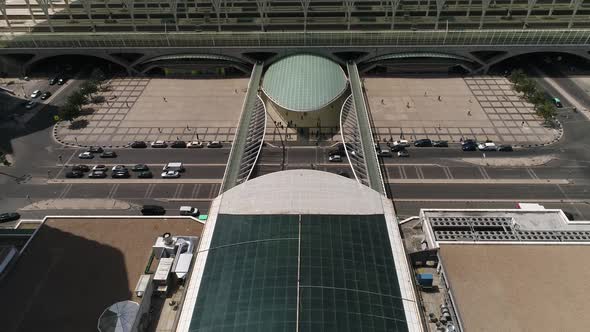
(508, 200)
(178, 190)
(148, 191)
(419, 172)
(135, 181)
(532, 173)
(65, 191)
(196, 190)
(479, 181)
(448, 172)
(112, 191)
(402, 172)
(483, 172)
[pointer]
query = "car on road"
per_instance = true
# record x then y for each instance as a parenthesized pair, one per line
(31, 104)
(61, 80)
(145, 175)
(108, 154)
(469, 147)
(385, 153)
(189, 211)
(138, 145)
(86, 155)
(469, 141)
(97, 174)
(402, 142)
(45, 95)
(152, 210)
(80, 168)
(119, 168)
(487, 146)
(424, 142)
(36, 94)
(214, 144)
(178, 144)
(403, 153)
(159, 144)
(170, 174)
(52, 81)
(95, 149)
(557, 102)
(99, 168)
(74, 174)
(505, 148)
(335, 158)
(140, 168)
(440, 144)
(120, 174)
(9, 216)
(195, 144)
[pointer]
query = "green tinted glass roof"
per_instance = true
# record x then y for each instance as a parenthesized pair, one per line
(304, 82)
(347, 275)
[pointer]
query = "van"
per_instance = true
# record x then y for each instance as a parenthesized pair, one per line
(189, 211)
(153, 210)
(175, 166)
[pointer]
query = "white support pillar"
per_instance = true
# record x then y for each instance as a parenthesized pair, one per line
(217, 7)
(67, 2)
(349, 6)
(130, 4)
(427, 8)
(485, 4)
(305, 6)
(3, 10)
(88, 7)
(173, 4)
(31, 11)
(440, 4)
(577, 4)
(531, 4)
(469, 8)
(393, 4)
(262, 10)
(551, 9)
(44, 4)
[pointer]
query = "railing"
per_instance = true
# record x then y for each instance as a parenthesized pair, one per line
(547, 37)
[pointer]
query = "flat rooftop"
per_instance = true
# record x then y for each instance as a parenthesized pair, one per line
(519, 287)
(74, 268)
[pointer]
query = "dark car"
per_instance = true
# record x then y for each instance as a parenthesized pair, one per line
(61, 81)
(425, 142)
(140, 168)
(95, 149)
(80, 168)
(505, 148)
(74, 174)
(139, 145)
(45, 95)
(153, 210)
(403, 153)
(469, 141)
(397, 148)
(97, 174)
(343, 173)
(570, 216)
(108, 154)
(440, 144)
(557, 102)
(145, 175)
(120, 174)
(178, 144)
(52, 81)
(9, 216)
(469, 147)
(214, 144)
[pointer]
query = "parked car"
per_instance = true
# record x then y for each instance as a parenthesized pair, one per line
(403, 153)
(36, 94)
(159, 144)
(86, 155)
(170, 174)
(385, 153)
(138, 145)
(80, 168)
(195, 144)
(189, 211)
(469, 147)
(178, 144)
(505, 148)
(145, 175)
(153, 210)
(99, 168)
(397, 148)
(343, 173)
(119, 168)
(440, 144)
(9, 216)
(120, 174)
(487, 146)
(95, 149)
(45, 95)
(74, 174)
(424, 142)
(214, 144)
(140, 168)
(108, 154)
(402, 142)
(469, 141)
(61, 81)
(30, 104)
(52, 81)
(557, 102)
(97, 174)
(335, 158)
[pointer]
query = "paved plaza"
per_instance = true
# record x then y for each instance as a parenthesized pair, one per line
(146, 109)
(481, 107)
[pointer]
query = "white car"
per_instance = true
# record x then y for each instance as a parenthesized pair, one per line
(159, 144)
(194, 144)
(336, 158)
(119, 168)
(102, 168)
(214, 144)
(488, 146)
(36, 94)
(402, 143)
(86, 155)
(30, 104)
(170, 174)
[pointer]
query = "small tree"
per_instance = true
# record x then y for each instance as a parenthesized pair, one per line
(517, 76)
(537, 98)
(546, 111)
(77, 99)
(89, 88)
(69, 112)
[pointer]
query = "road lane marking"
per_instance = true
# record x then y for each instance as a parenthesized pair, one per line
(136, 181)
(532, 173)
(419, 172)
(112, 191)
(149, 190)
(402, 172)
(195, 193)
(448, 173)
(178, 190)
(483, 172)
(65, 191)
(479, 181)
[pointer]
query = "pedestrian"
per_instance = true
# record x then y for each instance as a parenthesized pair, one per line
(469, 113)
(187, 128)
(160, 130)
(165, 99)
(425, 94)
(461, 140)
(382, 102)
(439, 98)
(522, 124)
(177, 138)
(236, 91)
(408, 105)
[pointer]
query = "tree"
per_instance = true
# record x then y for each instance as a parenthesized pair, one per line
(69, 112)
(517, 76)
(89, 88)
(537, 98)
(77, 99)
(546, 111)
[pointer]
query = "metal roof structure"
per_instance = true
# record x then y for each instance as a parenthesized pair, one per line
(304, 82)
